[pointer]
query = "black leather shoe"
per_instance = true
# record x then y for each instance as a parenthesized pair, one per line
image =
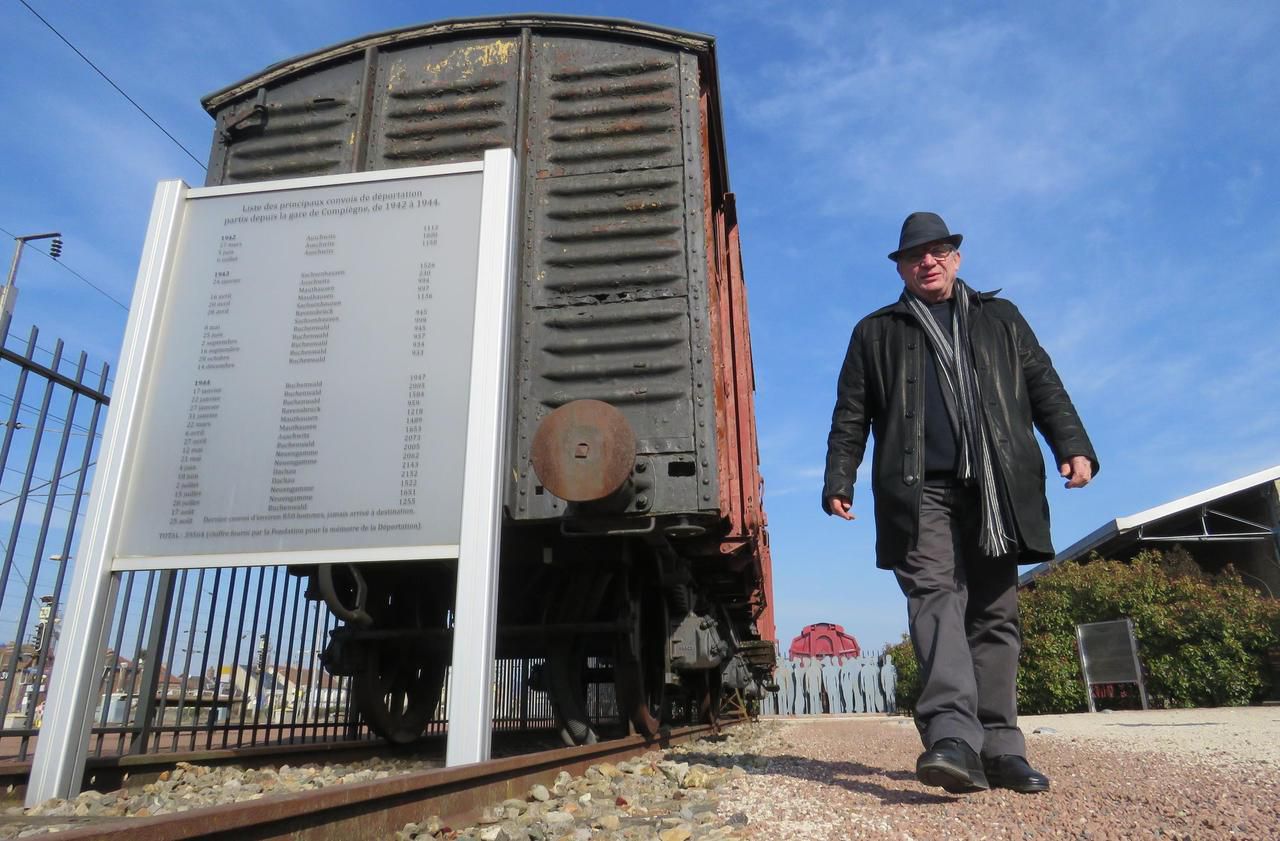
(1013, 772)
(952, 765)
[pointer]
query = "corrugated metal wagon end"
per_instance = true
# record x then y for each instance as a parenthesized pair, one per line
(635, 547)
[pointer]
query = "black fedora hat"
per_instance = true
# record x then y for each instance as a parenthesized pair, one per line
(922, 227)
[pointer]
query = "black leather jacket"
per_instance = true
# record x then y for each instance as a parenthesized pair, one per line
(881, 391)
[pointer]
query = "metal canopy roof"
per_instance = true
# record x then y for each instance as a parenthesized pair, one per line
(1194, 503)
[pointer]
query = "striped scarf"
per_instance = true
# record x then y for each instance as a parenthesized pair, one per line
(954, 356)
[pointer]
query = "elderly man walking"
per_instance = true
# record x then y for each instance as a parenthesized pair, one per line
(951, 381)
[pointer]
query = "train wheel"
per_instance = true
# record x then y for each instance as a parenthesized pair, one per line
(398, 687)
(579, 599)
(641, 658)
(396, 696)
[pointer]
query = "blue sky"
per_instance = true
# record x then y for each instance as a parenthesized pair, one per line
(1112, 166)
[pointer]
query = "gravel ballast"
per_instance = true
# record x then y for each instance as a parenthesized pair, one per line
(1185, 774)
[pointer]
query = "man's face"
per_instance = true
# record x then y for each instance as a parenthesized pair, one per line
(928, 275)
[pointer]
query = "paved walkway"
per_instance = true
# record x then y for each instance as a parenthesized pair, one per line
(1248, 734)
(1162, 774)
(1245, 734)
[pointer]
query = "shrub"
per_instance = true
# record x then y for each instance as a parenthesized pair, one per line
(904, 660)
(1202, 640)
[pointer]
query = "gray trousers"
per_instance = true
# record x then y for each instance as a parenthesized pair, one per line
(962, 611)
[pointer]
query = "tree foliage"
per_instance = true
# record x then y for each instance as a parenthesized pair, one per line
(1202, 640)
(904, 660)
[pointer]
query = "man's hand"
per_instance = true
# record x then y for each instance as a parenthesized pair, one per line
(841, 507)
(1077, 472)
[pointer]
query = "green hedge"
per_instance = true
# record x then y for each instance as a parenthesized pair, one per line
(1202, 640)
(908, 687)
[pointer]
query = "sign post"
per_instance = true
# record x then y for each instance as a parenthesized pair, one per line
(285, 342)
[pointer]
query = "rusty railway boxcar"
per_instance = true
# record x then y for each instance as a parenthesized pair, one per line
(634, 529)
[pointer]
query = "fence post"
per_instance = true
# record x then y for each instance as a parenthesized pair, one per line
(151, 674)
(524, 693)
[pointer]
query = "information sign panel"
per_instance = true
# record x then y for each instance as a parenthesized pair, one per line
(1109, 654)
(314, 371)
(309, 389)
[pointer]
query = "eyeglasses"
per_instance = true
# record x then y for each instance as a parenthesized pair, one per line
(938, 251)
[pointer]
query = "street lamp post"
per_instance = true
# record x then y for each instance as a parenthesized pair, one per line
(46, 628)
(9, 294)
(44, 639)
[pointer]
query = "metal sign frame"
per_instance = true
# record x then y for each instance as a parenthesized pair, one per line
(59, 763)
(1091, 670)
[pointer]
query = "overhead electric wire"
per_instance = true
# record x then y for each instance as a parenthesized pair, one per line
(104, 293)
(27, 407)
(44, 484)
(113, 84)
(59, 262)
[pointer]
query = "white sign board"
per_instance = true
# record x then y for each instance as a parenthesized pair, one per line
(314, 372)
(311, 371)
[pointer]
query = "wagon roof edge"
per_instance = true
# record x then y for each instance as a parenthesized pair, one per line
(688, 40)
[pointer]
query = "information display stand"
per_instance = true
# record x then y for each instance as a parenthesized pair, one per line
(285, 341)
(1109, 655)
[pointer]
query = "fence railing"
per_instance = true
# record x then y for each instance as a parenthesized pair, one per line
(46, 457)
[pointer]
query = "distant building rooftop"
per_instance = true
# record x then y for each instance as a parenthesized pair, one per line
(1237, 522)
(824, 639)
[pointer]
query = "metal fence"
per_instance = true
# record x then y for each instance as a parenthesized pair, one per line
(216, 658)
(55, 410)
(199, 659)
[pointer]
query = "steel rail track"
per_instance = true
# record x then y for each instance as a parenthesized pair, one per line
(107, 773)
(375, 810)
